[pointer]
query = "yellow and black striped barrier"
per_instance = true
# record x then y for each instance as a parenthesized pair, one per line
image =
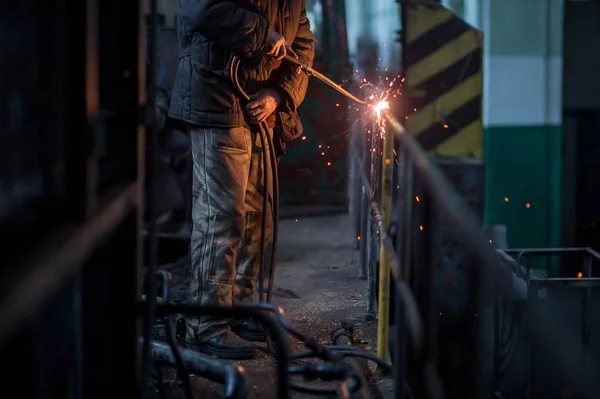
(443, 86)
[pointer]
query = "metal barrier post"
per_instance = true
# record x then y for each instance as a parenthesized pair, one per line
(387, 174)
(364, 212)
(586, 323)
(374, 226)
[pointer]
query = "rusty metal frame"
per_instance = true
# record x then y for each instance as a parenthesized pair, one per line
(534, 283)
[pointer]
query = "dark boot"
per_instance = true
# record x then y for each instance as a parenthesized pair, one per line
(225, 346)
(250, 331)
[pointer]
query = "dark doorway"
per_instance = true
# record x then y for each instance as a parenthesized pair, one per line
(587, 191)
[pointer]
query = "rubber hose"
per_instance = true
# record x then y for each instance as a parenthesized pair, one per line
(265, 138)
(180, 365)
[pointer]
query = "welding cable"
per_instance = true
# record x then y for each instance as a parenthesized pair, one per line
(313, 390)
(344, 372)
(317, 349)
(266, 141)
(324, 372)
(345, 352)
(181, 369)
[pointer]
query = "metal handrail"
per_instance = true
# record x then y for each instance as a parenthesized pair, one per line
(445, 199)
(554, 251)
(45, 273)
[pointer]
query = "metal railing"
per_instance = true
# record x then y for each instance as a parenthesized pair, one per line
(404, 226)
(537, 280)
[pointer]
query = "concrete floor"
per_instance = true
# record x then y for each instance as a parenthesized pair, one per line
(317, 262)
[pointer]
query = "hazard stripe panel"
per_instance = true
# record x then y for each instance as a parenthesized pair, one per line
(443, 67)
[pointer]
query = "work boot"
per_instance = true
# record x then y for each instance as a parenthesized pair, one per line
(226, 345)
(250, 331)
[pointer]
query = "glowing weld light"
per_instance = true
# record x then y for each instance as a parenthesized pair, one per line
(380, 106)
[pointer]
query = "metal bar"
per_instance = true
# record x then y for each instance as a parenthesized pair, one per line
(240, 311)
(532, 296)
(570, 281)
(412, 316)
(586, 323)
(400, 353)
(446, 200)
(403, 244)
(342, 336)
(593, 253)
(429, 304)
(364, 205)
(408, 219)
(355, 201)
(372, 267)
(374, 231)
(364, 234)
(544, 251)
(387, 174)
(230, 375)
(62, 257)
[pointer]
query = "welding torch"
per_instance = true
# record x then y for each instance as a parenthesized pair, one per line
(311, 72)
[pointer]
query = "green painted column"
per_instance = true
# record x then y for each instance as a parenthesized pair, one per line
(522, 118)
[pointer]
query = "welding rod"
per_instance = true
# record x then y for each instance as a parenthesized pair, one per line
(311, 72)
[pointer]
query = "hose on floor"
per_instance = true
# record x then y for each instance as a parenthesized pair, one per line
(269, 170)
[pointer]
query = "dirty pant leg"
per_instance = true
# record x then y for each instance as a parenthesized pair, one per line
(248, 260)
(221, 162)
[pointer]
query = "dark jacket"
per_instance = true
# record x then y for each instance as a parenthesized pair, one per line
(209, 31)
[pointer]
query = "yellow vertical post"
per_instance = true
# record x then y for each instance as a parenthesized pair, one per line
(387, 173)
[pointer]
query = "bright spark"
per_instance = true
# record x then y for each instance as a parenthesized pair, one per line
(380, 106)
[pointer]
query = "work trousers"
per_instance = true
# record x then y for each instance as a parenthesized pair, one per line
(227, 196)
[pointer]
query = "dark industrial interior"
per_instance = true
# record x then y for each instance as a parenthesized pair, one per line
(428, 242)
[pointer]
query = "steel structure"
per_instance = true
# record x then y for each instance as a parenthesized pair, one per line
(74, 109)
(426, 199)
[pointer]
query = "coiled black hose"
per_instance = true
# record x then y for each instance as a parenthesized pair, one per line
(269, 170)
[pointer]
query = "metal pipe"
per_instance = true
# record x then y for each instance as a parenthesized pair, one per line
(364, 219)
(361, 160)
(231, 376)
(343, 336)
(239, 311)
(383, 302)
(311, 72)
(179, 362)
(375, 228)
(51, 268)
(412, 314)
(586, 324)
(545, 251)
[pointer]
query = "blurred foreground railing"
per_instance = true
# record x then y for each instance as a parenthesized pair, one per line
(565, 299)
(399, 246)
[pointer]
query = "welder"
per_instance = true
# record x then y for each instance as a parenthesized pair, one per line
(227, 152)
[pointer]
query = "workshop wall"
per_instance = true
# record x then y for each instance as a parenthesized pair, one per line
(523, 118)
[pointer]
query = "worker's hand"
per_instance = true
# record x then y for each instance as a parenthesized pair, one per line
(278, 47)
(263, 103)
